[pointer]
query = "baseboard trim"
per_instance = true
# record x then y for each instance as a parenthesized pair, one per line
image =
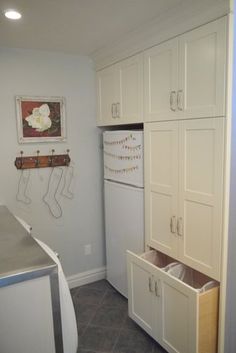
(86, 277)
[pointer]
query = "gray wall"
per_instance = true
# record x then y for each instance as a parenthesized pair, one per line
(38, 73)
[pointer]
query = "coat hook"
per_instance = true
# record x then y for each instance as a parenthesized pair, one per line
(37, 159)
(67, 158)
(51, 159)
(21, 158)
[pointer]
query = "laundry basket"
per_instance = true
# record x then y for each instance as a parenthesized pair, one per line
(191, 277)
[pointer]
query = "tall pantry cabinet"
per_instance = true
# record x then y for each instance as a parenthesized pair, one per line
(184, 191)
(173, 288)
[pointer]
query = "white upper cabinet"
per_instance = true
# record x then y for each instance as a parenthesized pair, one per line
(184, 191)
(185, 77)
(106, 95)
(130, 102)
(202, 60)
(161, 81)
(120, 92)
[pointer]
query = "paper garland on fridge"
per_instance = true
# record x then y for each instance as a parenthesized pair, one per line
(120, 142)
(121, 157)
(121, 171)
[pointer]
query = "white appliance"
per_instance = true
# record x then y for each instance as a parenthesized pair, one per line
(68, 318)
(124, 201)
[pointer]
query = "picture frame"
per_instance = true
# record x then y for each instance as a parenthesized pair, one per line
(40, 119)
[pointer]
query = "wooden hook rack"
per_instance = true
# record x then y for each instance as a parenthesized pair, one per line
(53, 160)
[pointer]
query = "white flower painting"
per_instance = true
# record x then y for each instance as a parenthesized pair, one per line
(40, 119)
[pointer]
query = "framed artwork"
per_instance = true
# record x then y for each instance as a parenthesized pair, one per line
(40, 119)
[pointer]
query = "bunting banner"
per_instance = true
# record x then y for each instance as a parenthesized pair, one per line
(121, 157)
(132, 148)
(120, 142)
(121, 171)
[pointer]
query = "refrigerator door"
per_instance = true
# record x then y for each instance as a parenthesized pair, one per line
(123, 156)
(124, 222)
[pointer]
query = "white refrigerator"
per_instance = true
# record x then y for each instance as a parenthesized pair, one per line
(124, 201)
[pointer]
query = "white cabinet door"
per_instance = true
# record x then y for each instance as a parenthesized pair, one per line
(202, 61)
(141, 288)
(184, 191)
(120, 92)
(161, 185)
(106, 96)
(161, 81)
(130, 101)
(179, 316)
(201, 148)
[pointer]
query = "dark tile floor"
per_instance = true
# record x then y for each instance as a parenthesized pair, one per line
(103, 322)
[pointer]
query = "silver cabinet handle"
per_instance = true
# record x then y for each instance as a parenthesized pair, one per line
(180, 226)
(173, 224)
(157, 287)
(150, 285)
(112, 110)
(118, 110)
(179, 100)
(172, 99)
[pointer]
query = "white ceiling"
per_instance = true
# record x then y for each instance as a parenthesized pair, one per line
(75, 26)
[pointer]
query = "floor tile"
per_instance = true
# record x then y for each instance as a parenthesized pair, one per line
(88, 296)
(99, 339)
(85, 312)
(88, 351)
(107, 316)
(112, 298)
(100, 285)
(157, 348)
(130, 324)
(131, 341)
(81, 329)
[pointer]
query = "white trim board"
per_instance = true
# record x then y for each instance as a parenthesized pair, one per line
(86, 277)
(187, 15)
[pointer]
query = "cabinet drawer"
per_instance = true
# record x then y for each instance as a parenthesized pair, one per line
(175, 304)
(142, 271)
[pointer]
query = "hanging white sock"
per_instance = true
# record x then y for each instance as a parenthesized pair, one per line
(68, 177)
(50, 197)
(22, 186)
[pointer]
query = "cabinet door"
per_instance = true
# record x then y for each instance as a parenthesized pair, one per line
(201, 151)
(161, 185)
(106, 95)
(179, 316)
(141, 289)
(202, 60)
(160, 81)
(130, 101)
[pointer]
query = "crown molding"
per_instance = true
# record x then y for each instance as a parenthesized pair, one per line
(187, 15)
